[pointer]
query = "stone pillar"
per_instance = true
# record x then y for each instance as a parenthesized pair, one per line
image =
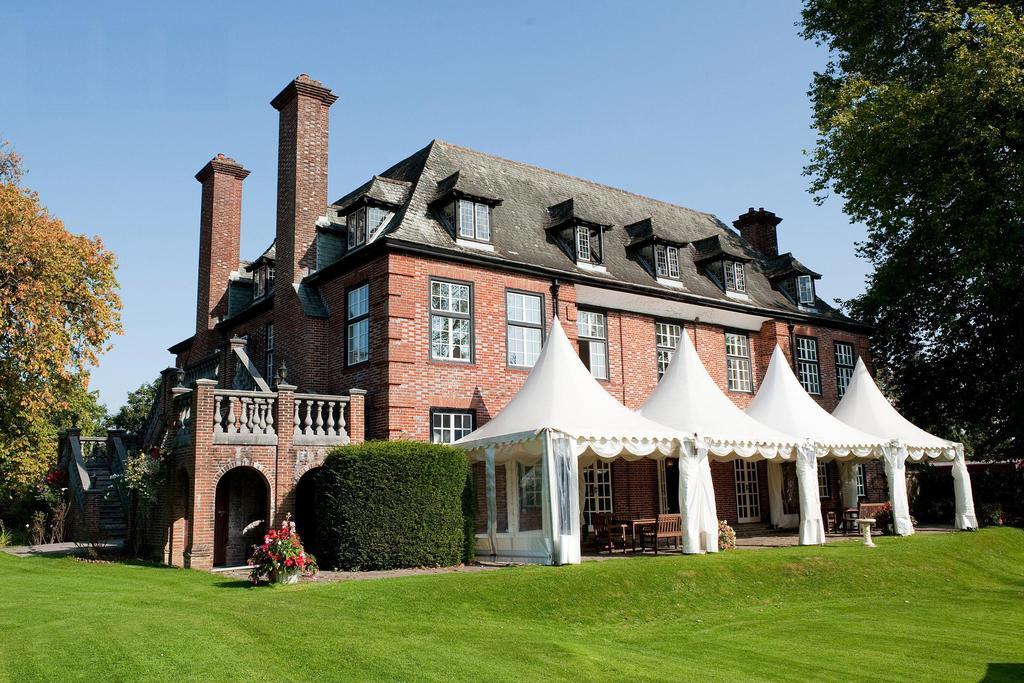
(356, 422)
(284, 470)
(199, 544)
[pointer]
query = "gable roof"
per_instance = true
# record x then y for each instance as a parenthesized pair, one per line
(529, 200)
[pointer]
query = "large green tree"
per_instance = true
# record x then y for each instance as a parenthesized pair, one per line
(920, 118)
(58, 308)
(132, 416)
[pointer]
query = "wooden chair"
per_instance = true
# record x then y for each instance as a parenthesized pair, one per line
(669, 527)
(831, 522)
(607, 532)
(850, 516)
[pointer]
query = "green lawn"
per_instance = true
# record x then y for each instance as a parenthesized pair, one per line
(937, 607)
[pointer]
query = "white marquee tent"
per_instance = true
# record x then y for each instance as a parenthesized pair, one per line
(559, 419)
(782, 403)
(864, 407)
(688, 400)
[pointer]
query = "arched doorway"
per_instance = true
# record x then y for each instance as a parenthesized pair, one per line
(307, 491)
(241, 511)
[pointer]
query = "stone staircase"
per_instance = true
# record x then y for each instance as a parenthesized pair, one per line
(113, 520)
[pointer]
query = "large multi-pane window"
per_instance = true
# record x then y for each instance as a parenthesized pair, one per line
(822, 480)
(474, 221)
(862, 480)
(358, 324)
(588, 244)
(807, 364)
(735, 277)
(844, 366)
(451, 321)
(597, 490)
(804, 290)
(666, 261)
(448, 426)
(593, 340)
(666, 337)
(737, 362)
(268, 352)
(525, 328)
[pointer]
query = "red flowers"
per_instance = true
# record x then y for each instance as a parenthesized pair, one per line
(281, 555)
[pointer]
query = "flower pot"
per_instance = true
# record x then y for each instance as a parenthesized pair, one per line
(284, 577)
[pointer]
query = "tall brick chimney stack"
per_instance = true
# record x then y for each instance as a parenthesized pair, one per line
(758, 228)
(301, 199)
(220, 231)
(301, 174)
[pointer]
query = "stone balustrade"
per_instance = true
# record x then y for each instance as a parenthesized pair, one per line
(319, 419)
(244, 417)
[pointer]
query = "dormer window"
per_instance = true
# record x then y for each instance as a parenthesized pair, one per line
(473, 221)
(805, 290)
(588, 244)
(735, 277)
(263, 281)
(363, 222)
(666, 261)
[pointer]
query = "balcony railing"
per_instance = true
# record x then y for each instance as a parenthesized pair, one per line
(320, 419)
(244, 417)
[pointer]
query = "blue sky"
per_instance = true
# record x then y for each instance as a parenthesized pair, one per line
(115, 108)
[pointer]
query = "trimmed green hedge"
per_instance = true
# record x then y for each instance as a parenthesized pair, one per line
(390, 504)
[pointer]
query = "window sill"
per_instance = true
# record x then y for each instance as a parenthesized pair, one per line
(670, 282)
(737, 295)
(594, 267)
(471, 244)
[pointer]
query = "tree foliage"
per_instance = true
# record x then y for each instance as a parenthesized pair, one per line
(132, 416)
(58, 308)
(920, 118)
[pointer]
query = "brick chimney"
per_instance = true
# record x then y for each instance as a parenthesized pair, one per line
(301, 199)
(758, 228)
(220, 229)
(301, 174)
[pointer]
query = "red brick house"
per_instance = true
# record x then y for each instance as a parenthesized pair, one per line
(430, 288)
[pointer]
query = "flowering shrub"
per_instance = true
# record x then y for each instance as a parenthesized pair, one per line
(726, 536)
(883, 518)
(281, 557)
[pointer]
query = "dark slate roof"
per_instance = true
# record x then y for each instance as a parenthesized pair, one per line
(650, 229)
(786, 265)
(388, 191)
(528, 195)
(269, 255)
(721, 246)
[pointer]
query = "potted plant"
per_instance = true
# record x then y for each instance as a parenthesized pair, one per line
(726, 536)
(281, 557)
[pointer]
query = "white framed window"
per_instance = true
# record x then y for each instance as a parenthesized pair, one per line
(807, 364)
(263, 281)
(451, 321)
(735, 277)
(805, 290)
(356, 223)
(737, 362)
(524, 323)
(375, 217)
(531, 496)
(268, 352)
(448, 426)
(358, 325)
(597, 490)
(844, 367)
(588, 244)
(822, 480)
(666, 336)
(666, 261)
(474, 220)
(862, 480)
(593, 341)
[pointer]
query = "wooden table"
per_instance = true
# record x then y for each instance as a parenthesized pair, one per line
(639, 524)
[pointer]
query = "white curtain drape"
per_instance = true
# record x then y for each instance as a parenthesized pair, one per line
(777, 514)
(697, 499)
(965, 517)
(895, 458)
(492, 501)
(812, 529)
(566, 506)
(848, 482)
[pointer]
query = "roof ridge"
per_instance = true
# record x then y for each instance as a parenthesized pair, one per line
(586, 181)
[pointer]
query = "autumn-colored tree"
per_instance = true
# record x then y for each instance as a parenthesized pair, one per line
(58, 309)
